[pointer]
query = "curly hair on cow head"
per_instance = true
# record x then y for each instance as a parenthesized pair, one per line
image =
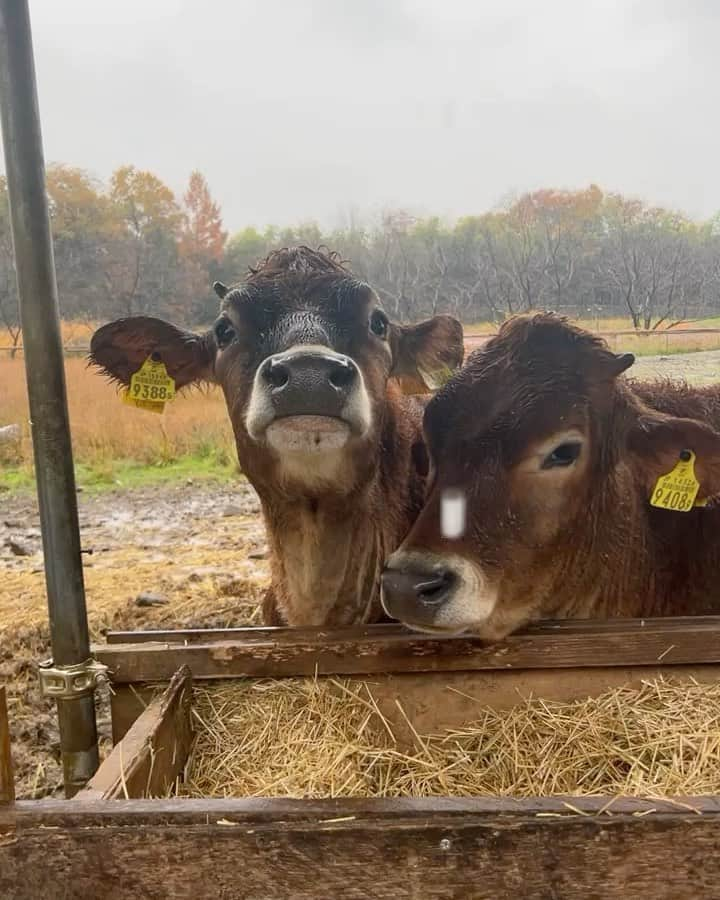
(302, 261)
(553, 338)
(297, 276)
(545, 331)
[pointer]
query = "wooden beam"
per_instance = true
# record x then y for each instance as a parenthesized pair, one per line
(575, 849)
(249, 633)
(7, 782)
(358, 632)
(294, 653)
(148, 759)
(264, 811)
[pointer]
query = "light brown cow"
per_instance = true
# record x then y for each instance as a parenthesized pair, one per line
(308, 363)
(557, 456)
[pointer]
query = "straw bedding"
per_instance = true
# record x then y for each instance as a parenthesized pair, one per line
(327, 738)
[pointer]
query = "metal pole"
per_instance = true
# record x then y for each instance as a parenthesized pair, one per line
(35, 269)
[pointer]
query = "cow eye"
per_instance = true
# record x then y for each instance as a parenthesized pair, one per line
(224, 332)
(379, 324)
(562, 456)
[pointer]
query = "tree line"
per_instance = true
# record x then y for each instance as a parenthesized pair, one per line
(132, 247)
(124, 248)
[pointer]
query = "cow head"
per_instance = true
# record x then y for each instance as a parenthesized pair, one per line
(551, 454)
(303, 353)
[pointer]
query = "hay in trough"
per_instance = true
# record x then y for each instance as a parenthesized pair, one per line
(327, 738)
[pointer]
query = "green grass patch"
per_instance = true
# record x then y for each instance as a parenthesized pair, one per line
(128, 473)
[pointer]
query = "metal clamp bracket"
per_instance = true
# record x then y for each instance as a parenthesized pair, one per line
(71, 682)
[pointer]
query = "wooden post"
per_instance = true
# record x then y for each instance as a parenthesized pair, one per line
(148, 759)
(7, 785)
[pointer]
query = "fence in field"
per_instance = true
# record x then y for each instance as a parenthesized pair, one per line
(666, 339)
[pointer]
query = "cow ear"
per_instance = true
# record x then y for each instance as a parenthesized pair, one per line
(620, 362)
(426, 355)
(657, 442)
(604, 365)
(120, 348)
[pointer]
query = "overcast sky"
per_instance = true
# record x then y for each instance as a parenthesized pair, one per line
(299, 109)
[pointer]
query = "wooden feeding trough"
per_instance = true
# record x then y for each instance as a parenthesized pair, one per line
(112, 837)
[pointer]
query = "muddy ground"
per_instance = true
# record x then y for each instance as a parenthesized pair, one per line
(697, 368)
(197, 549)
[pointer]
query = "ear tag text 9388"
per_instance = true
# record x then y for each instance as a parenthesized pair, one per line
(150, 387)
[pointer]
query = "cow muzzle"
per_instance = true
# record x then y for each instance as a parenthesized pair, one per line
(308, 399)
(437, 594)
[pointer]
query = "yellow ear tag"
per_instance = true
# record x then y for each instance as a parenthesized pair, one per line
(150, 387)
(435, 379)
(678, 489)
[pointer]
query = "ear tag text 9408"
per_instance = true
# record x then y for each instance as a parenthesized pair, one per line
(678, 489)
(150, 387)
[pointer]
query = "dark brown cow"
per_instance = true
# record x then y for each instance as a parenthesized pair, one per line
(557, 458)
(307, 361)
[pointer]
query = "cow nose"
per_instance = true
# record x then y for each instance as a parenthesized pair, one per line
(415, 595)
(276, 374)
(316, 384)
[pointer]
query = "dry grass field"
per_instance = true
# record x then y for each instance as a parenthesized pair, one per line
(105, 430)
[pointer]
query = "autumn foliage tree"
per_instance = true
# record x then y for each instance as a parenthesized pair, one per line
(123, 248)
(141, 269)
(202, 236)
(81, 217)
(201, 244)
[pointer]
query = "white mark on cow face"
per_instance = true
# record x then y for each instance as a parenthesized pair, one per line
(453, 513)
(437, 593)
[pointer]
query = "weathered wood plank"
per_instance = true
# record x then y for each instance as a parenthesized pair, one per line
(127, 702)
(433, 702)
(250, 633)
(153, 752)
(264, 811)
(559, 646)
(7, 783)
(482, 849)
(358, 632)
